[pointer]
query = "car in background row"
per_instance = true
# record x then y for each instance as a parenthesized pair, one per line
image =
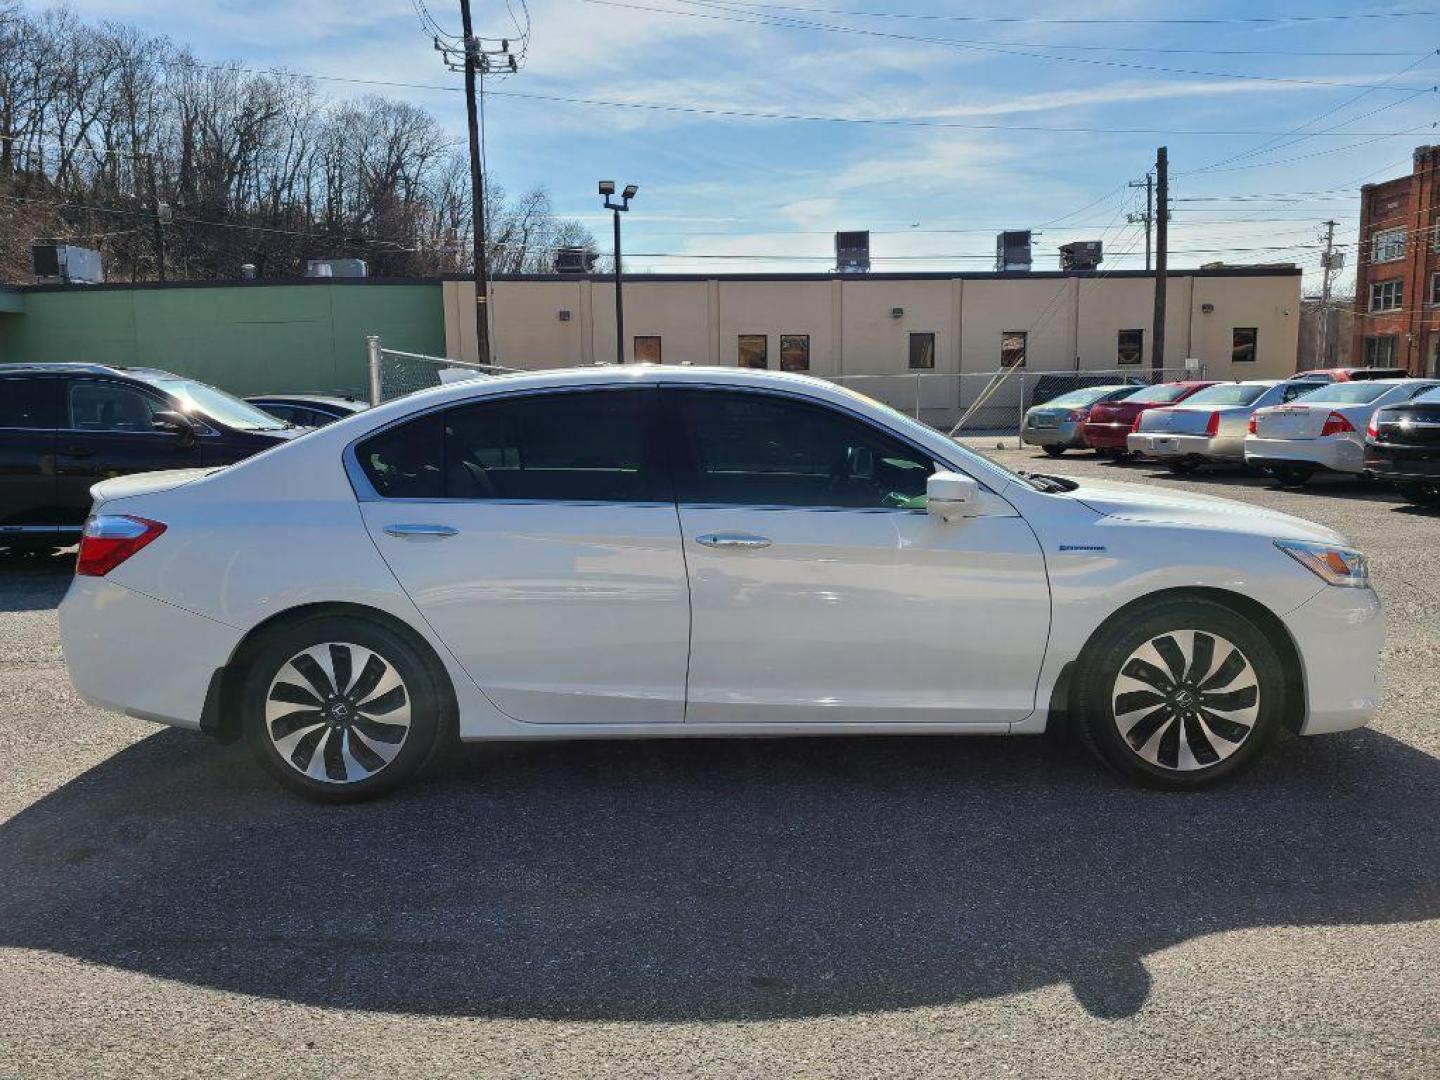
(308, 410)
(1350, 374)
(1209, 427)
(65, 427)
(1055, 426)
(1108, 425)
(1323, 430)
(1402, 443)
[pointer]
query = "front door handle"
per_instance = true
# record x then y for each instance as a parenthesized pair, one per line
(78, 452)
(421, 532)
(733, 540)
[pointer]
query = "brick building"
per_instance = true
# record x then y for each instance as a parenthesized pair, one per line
(1397, 274)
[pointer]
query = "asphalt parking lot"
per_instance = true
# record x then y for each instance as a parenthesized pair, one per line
(820, 908)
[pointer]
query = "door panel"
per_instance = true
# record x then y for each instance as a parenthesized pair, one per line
(27, 457)
(823, 592)
(106, 432)
(558, 581)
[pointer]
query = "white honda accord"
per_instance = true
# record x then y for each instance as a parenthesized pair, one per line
(657, 551)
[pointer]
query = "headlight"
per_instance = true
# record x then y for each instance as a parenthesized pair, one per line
(1337, 565)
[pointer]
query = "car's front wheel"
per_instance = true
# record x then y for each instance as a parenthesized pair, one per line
(340, 709)
(1181, 694)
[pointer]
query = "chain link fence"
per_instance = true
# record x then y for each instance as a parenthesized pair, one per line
(394, 374)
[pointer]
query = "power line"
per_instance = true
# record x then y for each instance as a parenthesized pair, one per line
(957, 43)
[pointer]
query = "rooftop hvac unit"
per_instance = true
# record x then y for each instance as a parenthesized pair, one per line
(852, 252)
(1012, 250)
(333, 268)
(64, 264)
(1081, 255)
(574, 260)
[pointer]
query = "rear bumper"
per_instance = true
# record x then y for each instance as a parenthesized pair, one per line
(1067, 435)
(1167, 447)
(1339, 633)
(1335, 454)
(139, 656)
(1105, 436)
(1416, 465)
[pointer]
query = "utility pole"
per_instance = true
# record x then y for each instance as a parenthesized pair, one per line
(1149, 216)
(1330, 263)
(1162, 218)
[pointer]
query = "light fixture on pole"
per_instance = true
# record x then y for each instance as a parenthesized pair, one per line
(607, 188)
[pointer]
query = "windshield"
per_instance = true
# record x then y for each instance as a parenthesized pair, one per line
(1228, 394)
(1085, 396)
(1160, 395)
(1348, 393)
(218, 405)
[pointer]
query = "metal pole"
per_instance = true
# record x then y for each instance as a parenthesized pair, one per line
(477, 192)
(918, 377)
(372, 348)
(619, 298)
(1162, 214)
(1020, 426)
(1149, 213)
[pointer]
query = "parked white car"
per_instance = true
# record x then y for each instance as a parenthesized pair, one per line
(1209, 427)
(656, 551)
(1325, 429)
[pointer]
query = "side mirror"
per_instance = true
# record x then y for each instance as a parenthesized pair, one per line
(176, 423)
(950, 495)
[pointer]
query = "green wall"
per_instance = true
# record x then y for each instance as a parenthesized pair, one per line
(243, 338)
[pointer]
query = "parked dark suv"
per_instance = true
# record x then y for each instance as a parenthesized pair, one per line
(65, 427)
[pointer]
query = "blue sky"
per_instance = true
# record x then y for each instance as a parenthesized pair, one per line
(768, 193)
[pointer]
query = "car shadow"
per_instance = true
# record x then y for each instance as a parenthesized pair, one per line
(34, 582)
(705, 879)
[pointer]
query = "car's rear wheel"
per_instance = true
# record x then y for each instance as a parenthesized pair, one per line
(1422, 494)
(1291, 475)
(1054, 449)
(1179, 695)
(1182, 468)
(340, 709)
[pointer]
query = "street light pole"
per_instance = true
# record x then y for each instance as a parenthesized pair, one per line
(607, 188)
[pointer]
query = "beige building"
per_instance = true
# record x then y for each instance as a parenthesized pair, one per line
(1238, 322)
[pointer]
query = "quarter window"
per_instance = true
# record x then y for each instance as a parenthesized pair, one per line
(101, 406)
(1244, 343)
(27, 403)
(1012, 348)
(794, 352)
(922, 352)
(754, 351)
(1387, 245)
(1131, 347)
(1387, 295)
(768, 450)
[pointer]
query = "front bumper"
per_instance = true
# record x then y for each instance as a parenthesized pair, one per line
(136, 655)
(1339, 633)
(1335, 454)
(1166, 447)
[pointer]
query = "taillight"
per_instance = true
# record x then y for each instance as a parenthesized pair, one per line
(109, 539)
(1336, 424)
(1250, 427)
(1075, 416)
(1212, 426)
(1372, 429)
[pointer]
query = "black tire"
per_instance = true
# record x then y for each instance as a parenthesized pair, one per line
(1291, 475)
(1174, 748)
(347, 744)
(1421, 494)
(1181, 468)
(1053, 449)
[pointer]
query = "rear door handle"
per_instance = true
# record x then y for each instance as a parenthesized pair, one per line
(78, 451)
(421, 532)
(733, 540)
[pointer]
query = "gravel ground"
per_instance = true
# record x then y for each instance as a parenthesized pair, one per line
(818, 908)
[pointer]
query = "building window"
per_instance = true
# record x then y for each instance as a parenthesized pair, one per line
(1386, 295)
(1132, 346)
(647, 348)
(922, 352)
(1387, 245)
(1435, 288)
(1244, 344)
(1380, 351)
(1012, 348)
(794, 352)
(754, 351)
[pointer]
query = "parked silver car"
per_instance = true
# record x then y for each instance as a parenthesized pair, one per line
(1209, 427)
(1054, 425)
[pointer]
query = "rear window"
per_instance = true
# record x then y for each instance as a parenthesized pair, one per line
(1228, 394)
(1162, 394)
(1348, 393)
(1086, 396)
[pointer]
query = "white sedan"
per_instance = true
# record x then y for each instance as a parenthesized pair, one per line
(681, 551)
(1325, 429)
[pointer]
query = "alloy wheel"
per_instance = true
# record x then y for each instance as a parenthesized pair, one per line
(1186, 700)
(337, 712)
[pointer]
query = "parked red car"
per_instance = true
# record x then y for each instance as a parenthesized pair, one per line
(1110, 422)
